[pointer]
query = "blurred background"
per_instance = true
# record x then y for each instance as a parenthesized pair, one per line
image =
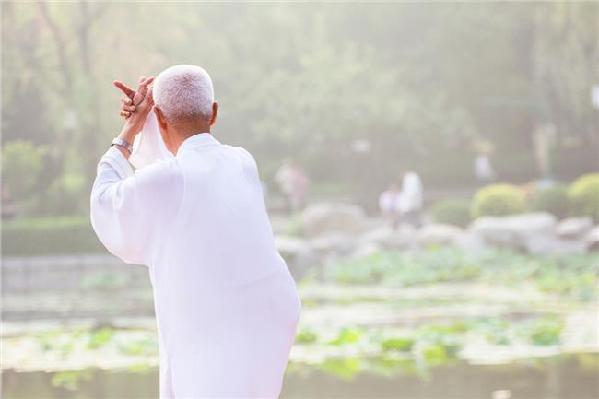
(431, 171)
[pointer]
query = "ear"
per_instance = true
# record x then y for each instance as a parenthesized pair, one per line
(160, 117)
(214, 113)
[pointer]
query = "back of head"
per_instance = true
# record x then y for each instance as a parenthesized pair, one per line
(184, 93)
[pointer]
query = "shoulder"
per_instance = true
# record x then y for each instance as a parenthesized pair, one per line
(244, 155)
(161, 174)
(248, 162)
(243, 152)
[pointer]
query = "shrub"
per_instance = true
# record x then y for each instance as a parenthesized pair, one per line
(50, 235)
(498, 200)
(453, 212)
(584, 196)
(22, 164)
(552, 199)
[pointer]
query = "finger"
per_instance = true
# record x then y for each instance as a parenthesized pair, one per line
(150, 96)
(129, 92)
(127, 101)
(141, 79)
(125, 114)
(142, 91)
(128, 108)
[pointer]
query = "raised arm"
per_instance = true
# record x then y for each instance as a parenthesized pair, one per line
(126, 206)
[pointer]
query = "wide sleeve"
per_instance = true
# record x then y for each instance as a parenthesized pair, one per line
(127, 206)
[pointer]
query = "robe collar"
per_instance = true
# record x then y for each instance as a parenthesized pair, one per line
(198, 140)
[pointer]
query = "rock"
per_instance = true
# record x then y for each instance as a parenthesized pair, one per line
(378, 235)
(439, 234)
(333, 244)
(471, 242)
(325, 218)
(298, 254)
(364, 250)
(387, 238)
(592, 239)
(574, 228)
(532, 232)
(564, 247)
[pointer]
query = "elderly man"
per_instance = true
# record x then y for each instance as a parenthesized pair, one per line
(226, 306)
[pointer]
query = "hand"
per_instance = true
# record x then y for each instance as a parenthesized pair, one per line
(138, 104)
(132, 97)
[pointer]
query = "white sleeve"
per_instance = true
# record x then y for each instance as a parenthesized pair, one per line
(126, 205)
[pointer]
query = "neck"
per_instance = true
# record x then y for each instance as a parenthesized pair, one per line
(181, 133)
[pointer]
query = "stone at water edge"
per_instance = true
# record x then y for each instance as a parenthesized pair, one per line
(298, 254)
(528, 232)
(334, 243)
(439, 234)
(403, 237)
(365, 249)
(592, 239)
(574, 228)
(324, 218)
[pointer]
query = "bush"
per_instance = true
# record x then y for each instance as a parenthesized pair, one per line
(552, 199)
(50, 235)
(453, 212)
(498, 200)
(584, 196)
(22, 164)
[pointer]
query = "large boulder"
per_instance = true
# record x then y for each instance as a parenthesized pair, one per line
(333, 244)
(364, 250)
(298, 254)
(592, 239)
(532, 232)
(574, 228)
(439, 234)
(325, 218)
(385, 237)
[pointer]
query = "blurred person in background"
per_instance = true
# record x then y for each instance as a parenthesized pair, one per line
(411, 199)
(293, 184)
(390, 204)
(483, 170)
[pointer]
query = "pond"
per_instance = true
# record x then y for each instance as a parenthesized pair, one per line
(565, 376)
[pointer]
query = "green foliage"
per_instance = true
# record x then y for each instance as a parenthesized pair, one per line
(346, 336)
(569, 275)
(400, 344)
(453, 212)
(496, 331)
(306, 337)
(100, 337)
(51, 235)
(584, 194)
(406, 269)
(22, 164)
(552, 199)
(139, 347)
(545, 331)
(435, 354)
(323, 83)
(344, 368)
(500, 199)
(442, 341)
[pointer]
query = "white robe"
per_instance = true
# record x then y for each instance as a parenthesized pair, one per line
(226, 306)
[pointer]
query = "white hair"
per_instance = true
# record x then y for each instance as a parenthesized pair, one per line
(184, 92)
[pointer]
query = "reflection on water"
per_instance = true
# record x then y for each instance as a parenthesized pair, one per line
(575, 377)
